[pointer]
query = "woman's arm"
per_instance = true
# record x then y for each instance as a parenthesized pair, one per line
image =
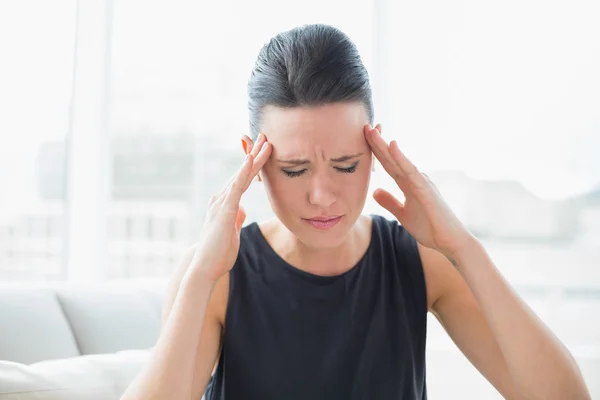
(496, 330)
(171, 369)
(191, 324)
(540, 367)
(539, 364)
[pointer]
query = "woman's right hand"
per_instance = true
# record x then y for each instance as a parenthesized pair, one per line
(219, 244)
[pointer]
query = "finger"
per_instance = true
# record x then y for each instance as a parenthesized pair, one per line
(407, 167)
(382, 152)
(433, 185)
(261, 158)
(401, 160)
(227, 185)
(389, 202)
(255, 150)
(225, 188)
(240, 183)
(240, 177)
(258, 145)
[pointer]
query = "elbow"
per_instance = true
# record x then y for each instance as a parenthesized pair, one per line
(558, 378)
(139, 389)
(575, 389)
(146, 396)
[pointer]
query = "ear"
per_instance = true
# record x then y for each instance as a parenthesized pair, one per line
(247, 145)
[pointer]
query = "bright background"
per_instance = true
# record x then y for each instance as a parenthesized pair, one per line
(119, 120)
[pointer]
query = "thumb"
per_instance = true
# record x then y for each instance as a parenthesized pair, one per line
(389, 202)
(239, 221)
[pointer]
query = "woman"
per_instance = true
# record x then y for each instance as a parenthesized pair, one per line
(323, 302)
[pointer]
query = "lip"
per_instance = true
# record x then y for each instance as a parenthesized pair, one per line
(324, 222)
(323, 218)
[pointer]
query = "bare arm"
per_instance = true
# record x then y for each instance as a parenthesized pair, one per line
(513, 349)
(524, 359)
(186, 350)
(539, 364)
(210, 338)
(170, 372)
(451, 301)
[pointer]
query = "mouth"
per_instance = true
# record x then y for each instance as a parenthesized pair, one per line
(324, 223)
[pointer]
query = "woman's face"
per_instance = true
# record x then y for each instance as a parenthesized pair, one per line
(320, 167)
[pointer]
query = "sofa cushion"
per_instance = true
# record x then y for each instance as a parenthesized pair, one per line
(110, 319)
(92, 377)
(33, 327)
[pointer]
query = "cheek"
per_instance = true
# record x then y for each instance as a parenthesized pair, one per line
(357, 185)
(279, 188)
(362, 180)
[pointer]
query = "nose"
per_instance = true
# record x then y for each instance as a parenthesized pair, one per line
(322, 191)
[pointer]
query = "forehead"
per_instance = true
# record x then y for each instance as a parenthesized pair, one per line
(325, 125)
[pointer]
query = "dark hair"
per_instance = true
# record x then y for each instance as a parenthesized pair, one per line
(309, 65)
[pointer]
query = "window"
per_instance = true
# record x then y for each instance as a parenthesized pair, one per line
(500, 105)
(37, 43)
(178, 110)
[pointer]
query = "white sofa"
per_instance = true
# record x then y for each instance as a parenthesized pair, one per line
(72, 342)
(67, 341)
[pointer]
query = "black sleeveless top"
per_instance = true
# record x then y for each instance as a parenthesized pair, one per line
(290, 334)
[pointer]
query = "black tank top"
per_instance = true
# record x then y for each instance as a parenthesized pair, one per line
(290, 334)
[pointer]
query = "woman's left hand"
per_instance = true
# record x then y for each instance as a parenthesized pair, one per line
(424, 214)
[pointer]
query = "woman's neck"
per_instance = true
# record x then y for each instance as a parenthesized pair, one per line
(325, 262)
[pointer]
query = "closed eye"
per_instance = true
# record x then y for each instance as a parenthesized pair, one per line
(293, 174)
(348, 170)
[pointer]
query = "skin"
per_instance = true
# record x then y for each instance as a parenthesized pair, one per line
(319, 186)
(482, 314)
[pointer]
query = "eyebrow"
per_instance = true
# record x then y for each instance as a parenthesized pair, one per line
(298, 161)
